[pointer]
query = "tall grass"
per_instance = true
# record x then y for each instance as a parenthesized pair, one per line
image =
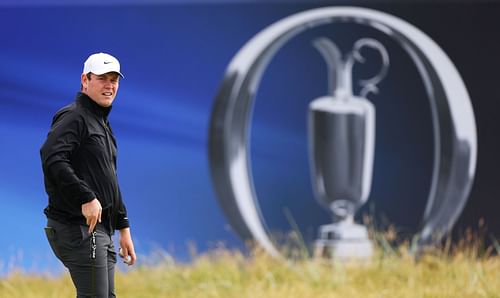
(462, 270)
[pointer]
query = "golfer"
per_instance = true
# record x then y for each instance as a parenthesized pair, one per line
(79, 165)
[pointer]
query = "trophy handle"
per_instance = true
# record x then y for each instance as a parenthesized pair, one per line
(370, 85)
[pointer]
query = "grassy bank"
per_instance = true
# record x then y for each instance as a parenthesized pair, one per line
(222, 273)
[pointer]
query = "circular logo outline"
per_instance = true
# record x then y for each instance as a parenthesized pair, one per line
(454, 127)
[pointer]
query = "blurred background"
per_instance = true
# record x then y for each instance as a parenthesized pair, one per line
(173, 56)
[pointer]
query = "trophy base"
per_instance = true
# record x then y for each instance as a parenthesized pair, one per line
(344, 241)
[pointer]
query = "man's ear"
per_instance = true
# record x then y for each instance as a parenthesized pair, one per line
(84, 81)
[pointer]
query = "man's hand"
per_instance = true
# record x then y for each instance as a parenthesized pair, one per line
(92, 212)
(127, 246)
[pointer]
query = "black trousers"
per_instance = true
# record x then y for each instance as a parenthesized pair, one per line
(92, 277)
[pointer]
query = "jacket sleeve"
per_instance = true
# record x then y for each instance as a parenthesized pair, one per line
(121, 215)
(67, 132)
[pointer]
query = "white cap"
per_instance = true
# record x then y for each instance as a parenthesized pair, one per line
(101, 63)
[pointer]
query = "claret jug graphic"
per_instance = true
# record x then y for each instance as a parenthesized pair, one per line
(341, 128)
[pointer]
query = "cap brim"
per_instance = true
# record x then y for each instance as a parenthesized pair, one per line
(107, 71)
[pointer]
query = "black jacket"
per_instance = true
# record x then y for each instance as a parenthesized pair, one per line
(79, 164)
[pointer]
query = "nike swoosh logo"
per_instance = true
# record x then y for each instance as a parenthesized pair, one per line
(107, 62)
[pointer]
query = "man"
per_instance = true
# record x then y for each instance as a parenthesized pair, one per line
(79, 164)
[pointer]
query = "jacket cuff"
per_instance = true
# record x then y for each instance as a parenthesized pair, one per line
(122, 223)
(87, 197)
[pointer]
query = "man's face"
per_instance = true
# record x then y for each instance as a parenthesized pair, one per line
(101, 88)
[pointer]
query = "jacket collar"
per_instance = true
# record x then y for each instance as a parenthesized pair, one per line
(88, 103)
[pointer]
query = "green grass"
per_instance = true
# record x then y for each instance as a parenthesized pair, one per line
(460, 272)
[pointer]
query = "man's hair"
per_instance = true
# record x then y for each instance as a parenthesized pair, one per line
(88, 78)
